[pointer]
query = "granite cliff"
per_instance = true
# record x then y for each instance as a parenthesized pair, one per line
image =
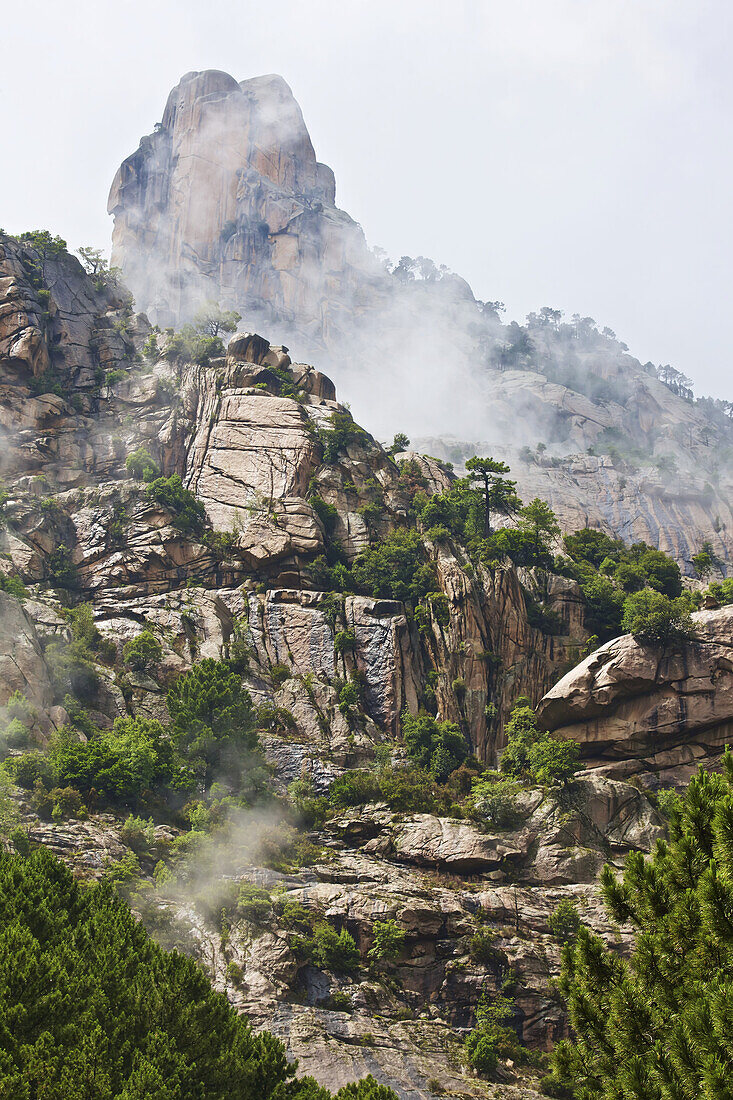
(226, 201)
(229, 572)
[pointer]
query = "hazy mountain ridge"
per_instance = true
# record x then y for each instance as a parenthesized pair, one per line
(226, 200)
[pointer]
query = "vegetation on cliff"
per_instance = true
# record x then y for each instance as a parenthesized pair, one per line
(659, 1023)
(93, 1008)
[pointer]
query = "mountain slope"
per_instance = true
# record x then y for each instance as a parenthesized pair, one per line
(226, 201)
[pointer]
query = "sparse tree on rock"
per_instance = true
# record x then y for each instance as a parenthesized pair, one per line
(499, 494)
(214, 320)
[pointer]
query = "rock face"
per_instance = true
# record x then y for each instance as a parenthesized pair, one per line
(637, 710)
(445, 884)
(227, 193)
(226, 201)
(245, 434)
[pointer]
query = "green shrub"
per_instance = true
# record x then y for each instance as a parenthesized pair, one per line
(253, 904)
(192, 346)
(342, 432)
(13, 586)
(438, 747)
(61, 568)
(188, 514)
(275, 719)
(354, 788)
(483, 950)
(345, 641)
(388, 942)
(534, 753)
(143, 652)
(72, 669)
(564, 922)
(349, 696)
(655, 619)
(396, 568)
(66, 802)
(410, 790)
(213, 719)
(142, 466)
(31, 767)
(335, 951)
(490, 1038)
(552, 760)
(493, 800)
(120, 764)
(279, 673)
(327, 513)
(138, 833)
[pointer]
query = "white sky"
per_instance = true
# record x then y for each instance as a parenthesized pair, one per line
(572, 153)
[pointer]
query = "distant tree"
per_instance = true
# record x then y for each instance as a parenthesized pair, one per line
(534, 753)
(399, 443)
(439, 747)
(212, 714)
(564, 921)
(539, 522)
(676, 381)
(656, 619)
(404, 269)
(142, 652)
(499, 495)
(702, 564)
(45, 245)
(98, 268)
(212, 319)
(141, 465)
(545, 318)
(492, 309)
(389, 941)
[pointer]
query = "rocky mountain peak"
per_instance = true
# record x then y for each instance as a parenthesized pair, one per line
(226, 201)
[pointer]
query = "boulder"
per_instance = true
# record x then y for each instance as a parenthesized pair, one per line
(650, 708)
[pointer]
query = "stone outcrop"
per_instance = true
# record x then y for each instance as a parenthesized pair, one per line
(649, 712)
(22, 667)
(228, 196)
(442, 881)
(247, 435)
(226, 201)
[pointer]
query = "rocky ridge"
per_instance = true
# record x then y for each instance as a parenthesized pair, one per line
(75, 401)
(652, 716)
(226, 200)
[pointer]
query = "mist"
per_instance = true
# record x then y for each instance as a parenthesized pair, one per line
(554, 153)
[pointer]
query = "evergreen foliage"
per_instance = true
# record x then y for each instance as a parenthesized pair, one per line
(142, 652)
(213, 720)
(491, 1038)
(656, 619)
(395, 568)
(342, 431)
(141, 465)
(533, 753)
(92, 1009)
(438, 747)
(188, 514)
(660, 1025)
(389, 941)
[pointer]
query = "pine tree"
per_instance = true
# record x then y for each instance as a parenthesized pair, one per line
(92, 1009)
(659, 1026)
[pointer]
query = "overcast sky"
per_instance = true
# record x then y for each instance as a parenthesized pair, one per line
(571, 153)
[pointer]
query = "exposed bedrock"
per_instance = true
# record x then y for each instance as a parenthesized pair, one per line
(657, 714)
